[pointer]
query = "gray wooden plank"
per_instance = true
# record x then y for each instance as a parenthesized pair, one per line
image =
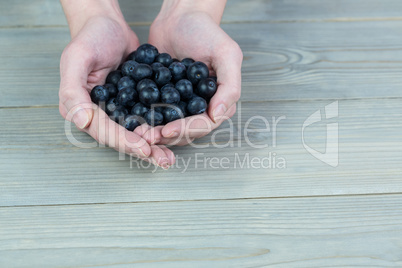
(295, 61)
(39, 166)
(301, 232)
(49, 13)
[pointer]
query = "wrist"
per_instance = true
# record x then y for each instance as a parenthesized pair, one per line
(79, 12)
(214, 8)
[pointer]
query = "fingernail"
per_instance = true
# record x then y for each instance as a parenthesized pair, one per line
(142, 152)
(81, 118)
(172, 134)
(165, 166)
(219, 112)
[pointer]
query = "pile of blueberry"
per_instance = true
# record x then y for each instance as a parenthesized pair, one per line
(152, 87)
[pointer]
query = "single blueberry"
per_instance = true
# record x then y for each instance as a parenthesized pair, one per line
(114, 77)
(162, 76)
(172, 113)
(149, 96)
(142, 71)
(124, 82)
(127, 97)
(166, 86)
(99, 94)
(183, 106)
(111, 105)
(146, 53)
(197, 105)
(112, 90)
(206, 88)
(158, 107)
(131, 56)
(118, 114)
(139, 109)
(185, 88)
(145, 83)
(153, 118)
(128, 67)
(170, 96)
(178, 70)
(131, 122)
(164, 58)
(187, 62)
(155, 66)
(197, 71)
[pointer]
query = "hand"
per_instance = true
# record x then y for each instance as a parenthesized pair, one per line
(97, 47)
(184, 29)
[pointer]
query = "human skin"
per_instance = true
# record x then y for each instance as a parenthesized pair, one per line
(190, 28)
(101, 39)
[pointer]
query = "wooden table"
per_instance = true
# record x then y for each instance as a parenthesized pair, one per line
(63, 206)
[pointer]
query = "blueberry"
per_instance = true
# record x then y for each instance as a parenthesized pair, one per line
(139, 109)
(197, 71)
(112, 90)
(146, 53)
(166, 86)
(114, 77)
(170, 96)
(183, 107)
(187, 62)
(131, 56)
(142, 71)
(164, 58)
(196, 105)
(131, 122)
(155, 66)
(128, 67)
(178, 70)
(162, 76)
(99, 94)
(206, 88)
(145, 83)
(214, 78)
(111, 105)
(153, 118)
(158, 107)
(127, 97)
(118, 114)
(124, 82)
(185, 88)
(149, 96)
(172, 113)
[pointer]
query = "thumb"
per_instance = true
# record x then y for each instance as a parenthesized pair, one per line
(75, 100)
(228, 71)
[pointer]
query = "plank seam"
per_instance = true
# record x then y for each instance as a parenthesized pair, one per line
(212, 200)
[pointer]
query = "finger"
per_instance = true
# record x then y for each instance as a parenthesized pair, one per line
(169, 154)
(73, 94)
(227, 65)
(176, 141)
(160, 157)
(153, 135)
(109, 133)
(195, 126)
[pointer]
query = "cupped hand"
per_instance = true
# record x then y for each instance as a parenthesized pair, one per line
(98, 48)
(197, 35)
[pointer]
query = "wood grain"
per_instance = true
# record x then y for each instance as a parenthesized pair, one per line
(48, 13)
(40, 167)
(299, 232)
(296, 61)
